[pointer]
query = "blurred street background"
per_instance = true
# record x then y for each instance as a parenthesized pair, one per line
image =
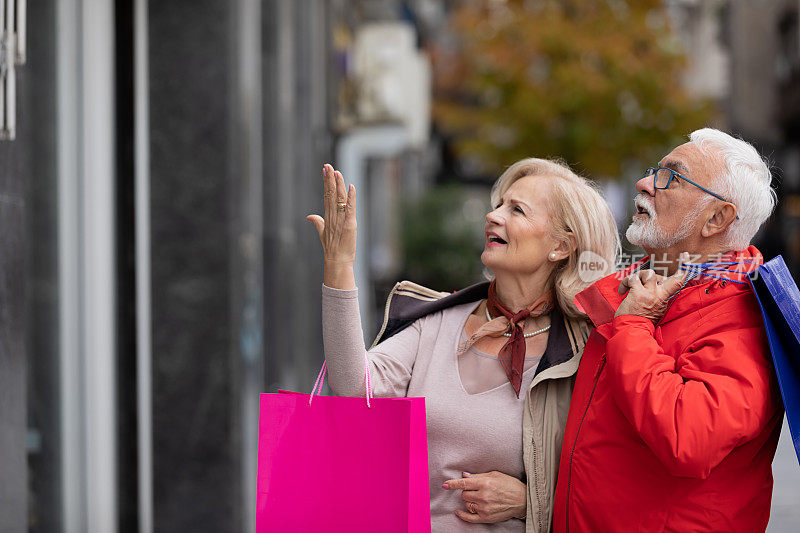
(156, 269)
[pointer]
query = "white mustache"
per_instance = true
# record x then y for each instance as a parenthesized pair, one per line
(642, 202)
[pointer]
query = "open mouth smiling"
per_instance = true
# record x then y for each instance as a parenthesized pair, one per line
(493, 240)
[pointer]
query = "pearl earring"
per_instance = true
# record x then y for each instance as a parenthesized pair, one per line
(553, 256)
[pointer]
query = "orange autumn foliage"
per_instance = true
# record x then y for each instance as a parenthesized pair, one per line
(596, 83)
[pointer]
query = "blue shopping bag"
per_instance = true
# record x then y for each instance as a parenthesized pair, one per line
(779, 299)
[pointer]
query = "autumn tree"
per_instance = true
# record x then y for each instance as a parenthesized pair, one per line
(597, 83)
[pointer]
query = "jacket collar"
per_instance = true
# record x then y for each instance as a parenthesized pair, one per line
(408, 302)
(601, 300)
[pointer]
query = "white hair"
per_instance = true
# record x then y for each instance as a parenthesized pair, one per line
(745, 181)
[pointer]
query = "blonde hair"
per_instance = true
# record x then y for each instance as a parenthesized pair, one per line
(578, 211)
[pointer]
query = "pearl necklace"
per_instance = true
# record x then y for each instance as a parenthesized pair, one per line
(527, 335)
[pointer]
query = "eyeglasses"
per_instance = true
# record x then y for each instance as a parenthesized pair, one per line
(663, 176)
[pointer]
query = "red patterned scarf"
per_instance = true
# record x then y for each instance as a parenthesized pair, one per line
(512, 354)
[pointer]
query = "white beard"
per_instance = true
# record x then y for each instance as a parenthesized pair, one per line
(649, 234)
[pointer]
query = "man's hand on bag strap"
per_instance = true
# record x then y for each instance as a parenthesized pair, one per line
(648, 293)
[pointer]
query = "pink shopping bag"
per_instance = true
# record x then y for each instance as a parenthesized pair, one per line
(337, 464)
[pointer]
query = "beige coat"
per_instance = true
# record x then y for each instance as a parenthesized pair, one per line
(545, 415)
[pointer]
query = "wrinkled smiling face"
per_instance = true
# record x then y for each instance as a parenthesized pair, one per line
(518, 230)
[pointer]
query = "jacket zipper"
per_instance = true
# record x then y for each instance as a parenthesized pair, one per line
(600, 368)
(536, 485)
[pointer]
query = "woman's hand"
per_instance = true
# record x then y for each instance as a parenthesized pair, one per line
(337, 231)
(489, 498)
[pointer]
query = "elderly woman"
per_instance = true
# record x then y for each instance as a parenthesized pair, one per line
(496, 361)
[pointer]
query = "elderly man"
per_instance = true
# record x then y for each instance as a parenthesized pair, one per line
(675, 415)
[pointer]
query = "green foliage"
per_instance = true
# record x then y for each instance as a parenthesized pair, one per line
(597, 83)
(442, 238)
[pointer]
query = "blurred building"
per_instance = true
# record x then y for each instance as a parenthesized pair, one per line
(154, 204)
(746, 56)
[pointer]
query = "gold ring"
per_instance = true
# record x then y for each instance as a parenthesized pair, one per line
(472, 507)
(341, 206)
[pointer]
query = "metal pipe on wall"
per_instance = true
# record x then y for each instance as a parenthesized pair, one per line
(3, 70)
(98, 285)
(9, 130)
(85, 89)
(12, 53)
(247, 246)
(144, 340)
(73, 471)
(21, 30)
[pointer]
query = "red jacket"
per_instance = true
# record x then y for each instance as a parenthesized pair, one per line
(672, 427)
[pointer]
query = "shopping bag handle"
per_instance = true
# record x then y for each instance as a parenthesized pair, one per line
(321, 381)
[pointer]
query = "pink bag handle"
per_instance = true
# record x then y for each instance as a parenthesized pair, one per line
(321, 381)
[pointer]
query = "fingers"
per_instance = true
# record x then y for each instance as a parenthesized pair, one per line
(336, 196)
(649, 278)
(684, 260)
(473, 511)
(629, 282)
(642, 278)
(319, 223)
(673, 284)
(470, 497)
(351, 202)
(341, 190)
(472, 518)
(461, 484)
(329, 190)
(624, 285)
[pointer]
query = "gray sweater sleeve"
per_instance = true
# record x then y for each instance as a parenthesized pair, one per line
(391, 362)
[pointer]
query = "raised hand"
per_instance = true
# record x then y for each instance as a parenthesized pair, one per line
(337, 231)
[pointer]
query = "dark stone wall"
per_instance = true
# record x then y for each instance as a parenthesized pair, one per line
(299, 84)
(196, 187)
(196, 468)
(29, 294)
(37, 129)
(13, 465)
(16, 160)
